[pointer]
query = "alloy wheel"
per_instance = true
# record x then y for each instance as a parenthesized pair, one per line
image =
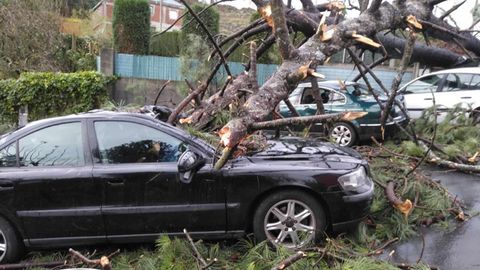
(342, 135)
(290, 223)
(3, 246)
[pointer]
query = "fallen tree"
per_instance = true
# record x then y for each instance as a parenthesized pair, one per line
(327, 32)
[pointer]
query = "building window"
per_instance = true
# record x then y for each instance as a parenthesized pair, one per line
(173, 14)
(152, 10)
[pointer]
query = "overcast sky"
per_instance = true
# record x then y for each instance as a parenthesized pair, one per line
(462, 16)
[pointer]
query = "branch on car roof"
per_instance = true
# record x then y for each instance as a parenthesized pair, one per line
(305, 120)
(233, 92)
(181, 106)
(315, 51)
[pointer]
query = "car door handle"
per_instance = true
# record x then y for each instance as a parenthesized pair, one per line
(6, 186)
(428, 98)
(466, 97)
(116, 182)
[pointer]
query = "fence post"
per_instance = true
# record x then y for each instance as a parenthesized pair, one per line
(107, 67)
(23, 116)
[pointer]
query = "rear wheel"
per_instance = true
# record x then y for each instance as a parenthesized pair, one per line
(292, 219)
(11, 248)
(343, 134)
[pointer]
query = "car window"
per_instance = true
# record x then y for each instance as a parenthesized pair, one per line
(475, 83)
(336, 98)
(461, 82)
(127, 142)
(308, 97)
(8, 156)
(59, 145)
(424, 85)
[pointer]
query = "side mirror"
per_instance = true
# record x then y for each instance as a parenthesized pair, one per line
(188, 164)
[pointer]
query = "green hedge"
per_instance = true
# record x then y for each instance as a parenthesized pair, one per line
(131, 26)
(50, 94)
(167, 44)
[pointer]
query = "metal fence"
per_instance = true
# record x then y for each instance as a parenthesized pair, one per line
(168, 68)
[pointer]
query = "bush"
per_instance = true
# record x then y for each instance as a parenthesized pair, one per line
(50, 94)
(131, 26)
(166, 44)
(210, 17)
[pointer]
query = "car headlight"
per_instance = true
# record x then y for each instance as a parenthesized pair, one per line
(357, 181)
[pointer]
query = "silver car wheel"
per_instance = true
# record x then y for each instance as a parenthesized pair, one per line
(342, 135)
(290, 223)
(3, 246)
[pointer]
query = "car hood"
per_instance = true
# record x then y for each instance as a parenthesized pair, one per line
(307, 152)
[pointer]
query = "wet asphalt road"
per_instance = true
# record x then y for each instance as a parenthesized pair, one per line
(458, 247)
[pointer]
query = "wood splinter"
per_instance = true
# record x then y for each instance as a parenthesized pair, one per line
(365, 40)
(413, 23)
(404, 207)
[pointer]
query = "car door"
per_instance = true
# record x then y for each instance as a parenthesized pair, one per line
(56, 197)
(458, 90)
(144, 196)
(418, 94)
(335, 103)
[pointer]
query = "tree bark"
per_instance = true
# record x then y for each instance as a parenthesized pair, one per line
(313, 53)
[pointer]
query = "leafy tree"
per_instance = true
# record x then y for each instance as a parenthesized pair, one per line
(210, 17)
(194, 64)
(29, 36)
(195, 46)
(131, 26)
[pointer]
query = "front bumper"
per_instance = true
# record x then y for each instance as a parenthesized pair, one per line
(347, 210)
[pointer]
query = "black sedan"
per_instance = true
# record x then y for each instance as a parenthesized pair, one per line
(120, 178)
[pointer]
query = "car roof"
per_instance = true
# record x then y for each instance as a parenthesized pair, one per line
(86, 115)
(330, 84)
(92, 114)
(103, 115)
(457, 70)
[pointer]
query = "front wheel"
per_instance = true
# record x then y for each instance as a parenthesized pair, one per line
(11, 248)
(292, 219)
(343, 134)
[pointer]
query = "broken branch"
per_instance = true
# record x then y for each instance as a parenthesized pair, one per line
(209, 35)
(304, 120)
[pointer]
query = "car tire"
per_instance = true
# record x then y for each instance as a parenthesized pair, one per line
(297, 229)
(343, 134)
(11, 247)
(476, 116)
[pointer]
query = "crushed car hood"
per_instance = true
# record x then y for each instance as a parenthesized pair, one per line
(307, 152)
